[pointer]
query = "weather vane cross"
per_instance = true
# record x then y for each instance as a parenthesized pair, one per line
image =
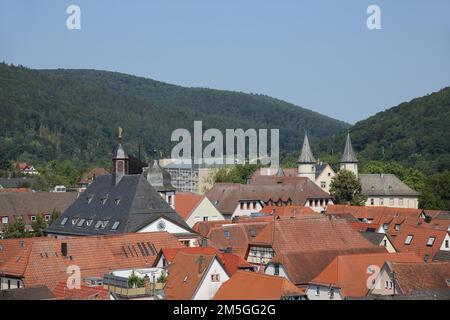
(119, 132)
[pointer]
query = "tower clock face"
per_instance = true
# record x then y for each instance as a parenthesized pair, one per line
(161, 225)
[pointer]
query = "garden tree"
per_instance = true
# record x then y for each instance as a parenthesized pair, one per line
(55, 215)
(15, 229)
(39, 226)
(236, 174)
(346, 189)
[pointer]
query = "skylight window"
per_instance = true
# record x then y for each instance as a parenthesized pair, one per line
(431, 241)
(64, 220)
(89, 199)
(409, 239)
(89, 222)
(115, 225)
(80, 223)
(226, 233)
(117, 201)
(74, 221)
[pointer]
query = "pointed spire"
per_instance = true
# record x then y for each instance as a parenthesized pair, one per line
(349, 155)
(306, 155)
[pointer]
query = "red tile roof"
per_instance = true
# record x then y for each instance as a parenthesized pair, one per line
(204, 227)
(230, 261)
(39, 260)
(185, 276)
(61, 291)
(420, 237)
(91, 175)
(185, 204)
(246, 285)
(350, 272)
(414, 277)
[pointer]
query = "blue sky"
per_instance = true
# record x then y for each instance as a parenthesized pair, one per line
(318, 54)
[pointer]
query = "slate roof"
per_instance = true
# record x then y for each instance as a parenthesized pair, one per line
(374, 237)
(30, 293)
(159, 178)
(442, 255)
(385, 185)
(349, 155)
(306, 155)
(134, 203)
(246, 285)
(16, 182)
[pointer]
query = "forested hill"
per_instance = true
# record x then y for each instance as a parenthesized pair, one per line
(415, 133)
(73, 114)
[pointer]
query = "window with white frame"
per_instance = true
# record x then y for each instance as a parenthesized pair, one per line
(47, 217)
(5, 220)
(430, 241)
(409, 239)
(33, 218)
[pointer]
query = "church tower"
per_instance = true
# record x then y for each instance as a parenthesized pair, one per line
(307, 162)
(120, 162)
(348, 160)
(161, 180)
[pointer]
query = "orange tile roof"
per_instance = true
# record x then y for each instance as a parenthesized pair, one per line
(185, 203)
(16, 190)
(204, 227)
(230, 261)
(414, 277)
(350, 272)
(184, 276)
(39, 260)
(246, 285)
(240, 236)
(419, 241)
(61, 291)
(310, 233)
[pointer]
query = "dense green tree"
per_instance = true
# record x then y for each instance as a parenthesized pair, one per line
(15, 229)
(39, 226)
(346, 189)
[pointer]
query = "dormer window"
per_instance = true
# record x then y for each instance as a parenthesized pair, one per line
(409, 239)
(397, 227)
(385, 226)
(80, 223)
(115, 225)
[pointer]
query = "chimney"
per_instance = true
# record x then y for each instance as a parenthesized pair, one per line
(204, 242)
(201, 264)
(64, 249)
(293, 213)
(147, 285)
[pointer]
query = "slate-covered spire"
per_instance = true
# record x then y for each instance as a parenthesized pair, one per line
(159, 178)
(306, 156)
(120, 162)
(349, 155)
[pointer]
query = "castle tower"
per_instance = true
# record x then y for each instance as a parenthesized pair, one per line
(120, 162)
(307, 162)
(348, 160)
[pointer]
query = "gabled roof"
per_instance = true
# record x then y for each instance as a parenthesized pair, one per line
(302, 267)
(204, 227)
(310, 233)
(230, 261)
(226, 196)
(39, 261)
(350, 272)
(236, 236)
(25, 204)
(185, 274)
(246, 285)
(416, 277)
(186, 203)
(133, 203)
(306, 155)
(287, 211)
(384, 185)
(419, 241)
(349, 155)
